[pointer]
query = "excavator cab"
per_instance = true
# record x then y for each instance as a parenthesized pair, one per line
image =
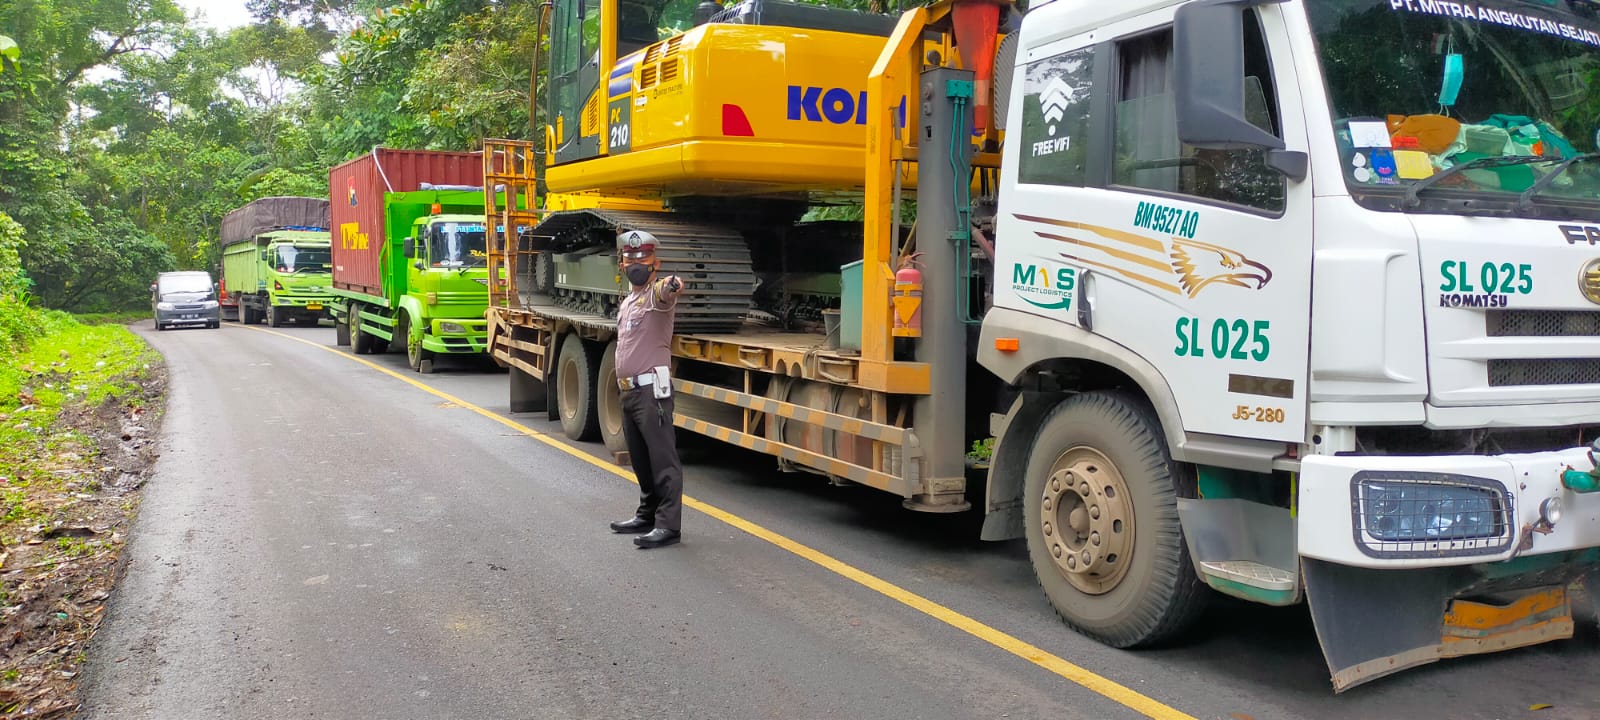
(579, 33)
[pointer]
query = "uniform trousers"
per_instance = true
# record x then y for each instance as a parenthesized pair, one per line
(653, 450)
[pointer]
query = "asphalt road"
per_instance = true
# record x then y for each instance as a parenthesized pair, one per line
(323, 540)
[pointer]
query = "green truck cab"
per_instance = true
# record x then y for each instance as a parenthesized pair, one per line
(277, 262)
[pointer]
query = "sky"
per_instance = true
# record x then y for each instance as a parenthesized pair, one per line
(219, 14)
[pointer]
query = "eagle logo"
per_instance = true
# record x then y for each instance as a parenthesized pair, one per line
(1200, 264)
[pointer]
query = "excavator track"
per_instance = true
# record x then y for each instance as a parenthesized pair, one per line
(576, 266)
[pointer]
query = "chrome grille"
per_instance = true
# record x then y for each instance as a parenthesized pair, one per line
(1542, 323)
(1573, 371)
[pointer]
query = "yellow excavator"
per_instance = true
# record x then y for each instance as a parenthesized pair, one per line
(716, 129)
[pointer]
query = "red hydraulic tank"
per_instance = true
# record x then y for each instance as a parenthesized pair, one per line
(356, 209)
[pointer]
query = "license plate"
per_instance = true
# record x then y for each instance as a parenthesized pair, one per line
(313, 306)
(190, 317)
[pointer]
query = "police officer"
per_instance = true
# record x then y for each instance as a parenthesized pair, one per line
(644, 329)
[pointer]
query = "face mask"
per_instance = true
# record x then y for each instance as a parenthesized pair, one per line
(638, 274)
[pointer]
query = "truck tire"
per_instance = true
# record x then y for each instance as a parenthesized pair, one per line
(360, 342)
(341, 332)
(274, 316)
(575, 389)
(609, 403)
(420, 359)
(1101, 519)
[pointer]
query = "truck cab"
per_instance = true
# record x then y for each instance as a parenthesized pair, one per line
(447, 280)
(1338, 265)
(296, 271)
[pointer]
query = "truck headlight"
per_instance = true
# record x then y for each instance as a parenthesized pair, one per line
(1405, 514)
(163, 306)
(453, 328)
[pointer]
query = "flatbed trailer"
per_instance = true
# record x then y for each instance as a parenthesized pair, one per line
(814, 407)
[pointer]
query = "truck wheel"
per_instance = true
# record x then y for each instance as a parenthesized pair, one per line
(609, 403)
(360, 341)
(341, 332)
(420, 360)
(575, 393)
(1101, 519)
(274, 316)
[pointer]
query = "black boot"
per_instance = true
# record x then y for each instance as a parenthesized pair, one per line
(657, 538)
(633, 525)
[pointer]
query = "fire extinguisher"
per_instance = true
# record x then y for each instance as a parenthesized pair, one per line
(908, 299)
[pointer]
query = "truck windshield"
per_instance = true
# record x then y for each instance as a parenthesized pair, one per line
(1420, 88)
(295, 259)
(457, 245)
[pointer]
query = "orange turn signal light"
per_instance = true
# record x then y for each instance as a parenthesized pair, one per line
(1007, 344)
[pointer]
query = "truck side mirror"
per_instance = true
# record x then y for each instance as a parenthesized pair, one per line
(1209, 88)
(408, 247)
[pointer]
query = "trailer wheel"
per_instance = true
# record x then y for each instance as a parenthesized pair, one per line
(360, 341)
(575, 389)
(609, 404)
(1101, 519)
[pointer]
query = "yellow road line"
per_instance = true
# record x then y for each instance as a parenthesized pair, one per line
(1020, 648)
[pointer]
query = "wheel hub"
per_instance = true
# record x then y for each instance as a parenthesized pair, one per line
(1087, 520)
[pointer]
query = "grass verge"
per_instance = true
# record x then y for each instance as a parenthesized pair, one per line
(78, 403)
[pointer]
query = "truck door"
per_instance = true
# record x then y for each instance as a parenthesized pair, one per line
(575, 103)
(1198, 260)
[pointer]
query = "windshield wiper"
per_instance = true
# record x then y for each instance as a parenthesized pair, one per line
(1485, 162)
(1526, 198)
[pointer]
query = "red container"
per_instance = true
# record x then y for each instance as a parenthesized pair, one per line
(355, 192)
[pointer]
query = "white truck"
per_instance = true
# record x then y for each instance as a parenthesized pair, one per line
(1304, 297)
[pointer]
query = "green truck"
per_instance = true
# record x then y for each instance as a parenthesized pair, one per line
(276, 261)
(410, 269)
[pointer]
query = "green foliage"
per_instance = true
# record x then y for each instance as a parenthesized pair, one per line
(982, 450)
(8, 51)
(13, 280)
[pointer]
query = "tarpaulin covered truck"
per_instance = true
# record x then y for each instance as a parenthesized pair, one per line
(275, 260)
(409, 266)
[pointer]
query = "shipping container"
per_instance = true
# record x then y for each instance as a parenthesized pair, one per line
(356, 189)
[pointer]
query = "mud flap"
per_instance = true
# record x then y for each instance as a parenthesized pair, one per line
(1372, 623)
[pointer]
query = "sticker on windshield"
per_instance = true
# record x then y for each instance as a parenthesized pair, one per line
(1370, 134)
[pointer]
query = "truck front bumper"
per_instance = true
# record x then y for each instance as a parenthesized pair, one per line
(457, 336)
(1436, 511)
(310, 303)
(1410, 560)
